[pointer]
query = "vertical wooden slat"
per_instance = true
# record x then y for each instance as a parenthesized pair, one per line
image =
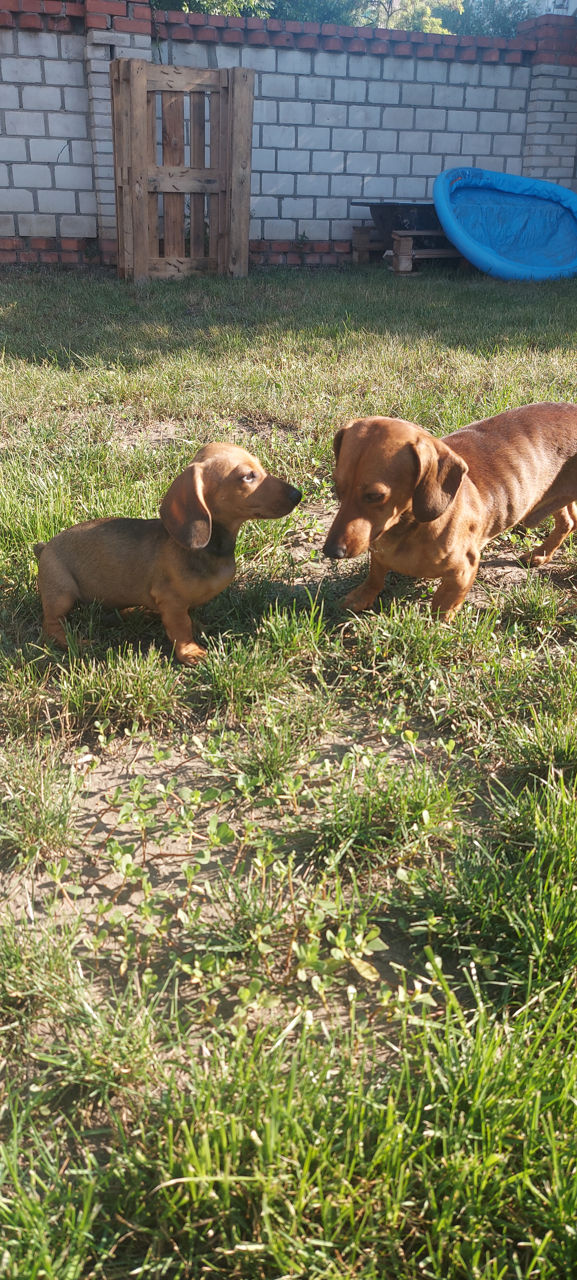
(224, 164)
(197, 161)
(241, 94)
(138, 169)
(215, 163)
(152, 197)
(173, 154)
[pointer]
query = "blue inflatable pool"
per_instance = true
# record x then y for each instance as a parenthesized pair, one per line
(514, 228)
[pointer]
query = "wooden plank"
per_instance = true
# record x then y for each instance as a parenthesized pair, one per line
(152, 197)
(173, 267)
(181, 79)
(198, 161)
(120, 164)
(138, 168)
(173, 154)
(217, 161)
(182, 179)
(241, 113)
(403, 235)
(224, 145)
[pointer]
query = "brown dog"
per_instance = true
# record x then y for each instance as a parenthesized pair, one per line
(426, 507)
(165, 565)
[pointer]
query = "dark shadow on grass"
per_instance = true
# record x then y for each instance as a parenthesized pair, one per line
(100, 319)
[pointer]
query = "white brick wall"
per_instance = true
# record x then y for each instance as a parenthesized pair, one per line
(329, 129)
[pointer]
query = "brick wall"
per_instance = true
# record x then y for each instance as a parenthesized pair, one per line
(341, 114)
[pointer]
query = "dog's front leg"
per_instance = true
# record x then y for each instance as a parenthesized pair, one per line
(179, 629)
(364, 596)
(452, 589)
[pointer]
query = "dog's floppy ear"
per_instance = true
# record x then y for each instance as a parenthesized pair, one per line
(184, 512)
(337, 442)
(439, 476)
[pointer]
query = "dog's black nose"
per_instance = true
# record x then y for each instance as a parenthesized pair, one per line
(295, 494)
(334, 553)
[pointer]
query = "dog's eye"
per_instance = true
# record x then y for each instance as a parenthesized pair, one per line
(250, 477)
(374, 497)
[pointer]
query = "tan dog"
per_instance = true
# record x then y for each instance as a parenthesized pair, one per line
(426, 507)
(166, 565)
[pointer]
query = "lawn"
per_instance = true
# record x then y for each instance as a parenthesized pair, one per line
(288, 941)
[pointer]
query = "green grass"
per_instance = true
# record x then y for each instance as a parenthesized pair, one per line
(287, 940)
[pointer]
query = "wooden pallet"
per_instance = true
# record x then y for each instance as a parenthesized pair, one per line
(406, 249)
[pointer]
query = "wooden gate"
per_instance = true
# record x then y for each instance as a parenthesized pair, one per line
(182, 152)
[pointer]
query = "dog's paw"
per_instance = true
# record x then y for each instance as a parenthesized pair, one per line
(359, 600)
(534, 559)
(190, 653)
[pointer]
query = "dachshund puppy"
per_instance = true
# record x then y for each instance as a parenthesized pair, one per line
(166, 565)
(426, 507)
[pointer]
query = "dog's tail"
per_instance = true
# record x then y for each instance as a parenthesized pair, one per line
(37, 548)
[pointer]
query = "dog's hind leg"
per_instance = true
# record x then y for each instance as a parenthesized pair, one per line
(58, 592)
(565, 523)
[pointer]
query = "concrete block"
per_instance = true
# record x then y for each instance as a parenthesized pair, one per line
(313, 228)
(449, 95)
(431, 72)
(67, 125)
(31, 175)
(329, 113)
(493, 121)
(398, 69)
(263, 159)
(49, 151)
(277, 86)
(480, 97)
(278, 135)
(255, 231)
(22, 70)
(344, 184)
(27, 124)
(227, 55)
(464, 73)
(514, 164)
(82, 152)
(328, 162)
(7, 43)
(7, 224)
(330, 64)
(511, 100)
(364, 117)
(294, 62)
(195, 55)
(295, 112)
(495, 74)
(381, 140)
(294, 161)
(264, 207)
(312, 184)
(362, 162)
(520, 77)
(398, 117)
(425, 166)
(9, 96)
(255, 183)
(395, 163)
(293, 207)
(411, 188)
(430, 118)
(16, 201)
(259, 59)
(41, 97)
(278, 184)
(279, 229)
(385, 92)
(414, 141)
(365, 66)
(332, 207)
(417, 95)
(314, 88)
(13, 149)
(76, 99)
(56, 202)
(348, 139)
(379, 187)
(517, 122)
(75, 224)
(73, 177)
(315, 138)
(458, 121)
(442, 142)
(495, 163)
(36, 224)
(508, 145)
(351, 90)
(37, 44)
(480, 143)
(4, 176)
